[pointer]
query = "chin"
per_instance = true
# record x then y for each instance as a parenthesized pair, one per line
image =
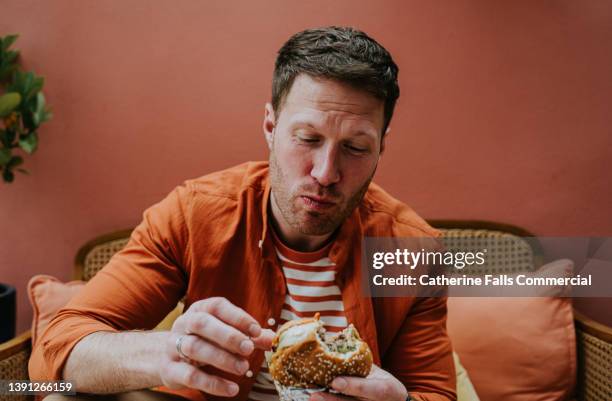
(317, 225)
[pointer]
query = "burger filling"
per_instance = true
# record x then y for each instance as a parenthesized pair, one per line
(343, 343)
(296, 334)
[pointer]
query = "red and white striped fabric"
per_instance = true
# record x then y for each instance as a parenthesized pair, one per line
(310, 289)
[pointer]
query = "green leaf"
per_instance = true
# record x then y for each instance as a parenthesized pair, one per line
(25, 83)
(21, 82)
(15, 161)
(8, 103)
(15, 82)
(29, 143)
(37, 85)
(44, 115)
(27, 119)
(8, 175)
(5, 156)
(10, 137)
(40, 102)
(28, 82)
(8, 40)
(10, 56)
(39, 82)
(6, 72)
(35, 120)
(41, 114)
(27, 78)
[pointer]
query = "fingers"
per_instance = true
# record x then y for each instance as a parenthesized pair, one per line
(182, 374)
(199, 350)
(218, 335)
(212, 329)
(203, 318)
(230, 314)
(372, 389)
(264, 340)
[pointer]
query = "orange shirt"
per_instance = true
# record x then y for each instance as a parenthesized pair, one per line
(209, 237)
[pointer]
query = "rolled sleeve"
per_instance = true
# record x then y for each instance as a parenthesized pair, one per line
(51, 352)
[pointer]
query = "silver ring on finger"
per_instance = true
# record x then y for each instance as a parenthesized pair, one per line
(179, 343)
(182, 356)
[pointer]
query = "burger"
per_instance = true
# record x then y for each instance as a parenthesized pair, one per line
(304, 355)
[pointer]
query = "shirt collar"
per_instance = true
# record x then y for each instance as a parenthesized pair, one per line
(264, 211)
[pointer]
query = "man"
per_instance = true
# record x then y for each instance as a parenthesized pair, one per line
(259, 244)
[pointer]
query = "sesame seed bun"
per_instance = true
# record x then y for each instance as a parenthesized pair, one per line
(305, 356)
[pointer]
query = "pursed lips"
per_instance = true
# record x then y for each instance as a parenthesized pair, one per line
(315, 202)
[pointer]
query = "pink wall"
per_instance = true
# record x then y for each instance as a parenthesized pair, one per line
(504, 113)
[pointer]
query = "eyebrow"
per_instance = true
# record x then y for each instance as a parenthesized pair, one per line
(300, 124)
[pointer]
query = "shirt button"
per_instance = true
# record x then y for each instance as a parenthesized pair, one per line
(271, 322)
(249, 373)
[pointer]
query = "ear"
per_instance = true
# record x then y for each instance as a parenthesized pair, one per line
(269, 123)
(383, 139)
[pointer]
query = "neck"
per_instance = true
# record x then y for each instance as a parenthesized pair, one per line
(292, 237)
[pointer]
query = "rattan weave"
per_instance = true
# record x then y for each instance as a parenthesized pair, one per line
(99, 256)
(594, 367)
(15, 367)
(506, 253)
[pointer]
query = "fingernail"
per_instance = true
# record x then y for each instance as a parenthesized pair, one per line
(246, 346)
(254, 330)
(242, 366)
(233, 388)
(339, 384)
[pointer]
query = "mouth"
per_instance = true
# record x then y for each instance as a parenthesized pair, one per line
(317, 203)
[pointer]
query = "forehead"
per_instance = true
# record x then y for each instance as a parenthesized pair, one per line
(311, 96)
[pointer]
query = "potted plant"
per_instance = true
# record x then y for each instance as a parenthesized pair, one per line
(22, 110)
(7, 311)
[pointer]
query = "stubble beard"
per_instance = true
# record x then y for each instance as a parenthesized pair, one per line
(310, 222)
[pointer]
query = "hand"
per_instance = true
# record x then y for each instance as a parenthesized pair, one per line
(378, 385)
(214, 332)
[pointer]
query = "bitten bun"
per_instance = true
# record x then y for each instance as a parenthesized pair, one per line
(304, 355)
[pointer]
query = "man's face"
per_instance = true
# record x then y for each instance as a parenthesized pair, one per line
(324, 147)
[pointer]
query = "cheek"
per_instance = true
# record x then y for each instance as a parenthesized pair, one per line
(295, 161)
(356, 173)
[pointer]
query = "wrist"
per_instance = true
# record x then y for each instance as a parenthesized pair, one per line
(145, 364)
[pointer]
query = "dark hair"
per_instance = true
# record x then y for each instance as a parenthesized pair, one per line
(342, 53)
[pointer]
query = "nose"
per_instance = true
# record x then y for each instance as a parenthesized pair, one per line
(326, 169)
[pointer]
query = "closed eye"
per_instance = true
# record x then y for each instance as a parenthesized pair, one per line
(308, 139)
(356, 149)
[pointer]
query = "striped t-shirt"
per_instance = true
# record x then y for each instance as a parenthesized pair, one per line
(310, 289)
